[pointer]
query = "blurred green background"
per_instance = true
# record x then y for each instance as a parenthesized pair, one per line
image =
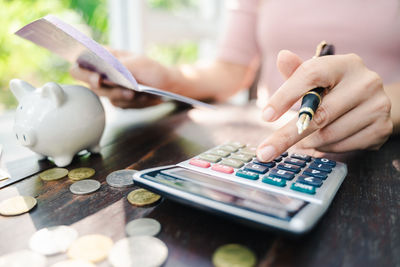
(22, 59)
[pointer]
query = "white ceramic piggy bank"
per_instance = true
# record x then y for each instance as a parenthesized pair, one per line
(57, 121)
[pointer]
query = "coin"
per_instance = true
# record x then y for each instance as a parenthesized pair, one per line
(138, 251)
(52, 240)
(81, 173)
(143, 226)
(53, 174)
(142, 197)
(92, 248)
(17, 205)
(73, 263)
(121, 178)
(23, 258)
(84, 187)
(234, 255)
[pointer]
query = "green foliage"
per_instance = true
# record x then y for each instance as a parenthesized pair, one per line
(171, 4)
(184, 52)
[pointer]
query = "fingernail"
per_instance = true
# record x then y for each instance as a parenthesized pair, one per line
(268, 114)
(127, 94)
(267, 153)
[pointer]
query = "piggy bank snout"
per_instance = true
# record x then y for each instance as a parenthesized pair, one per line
(25, 135)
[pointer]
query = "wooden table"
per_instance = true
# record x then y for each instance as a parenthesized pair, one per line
(361, 228)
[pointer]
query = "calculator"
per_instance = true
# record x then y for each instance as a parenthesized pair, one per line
(290, 193)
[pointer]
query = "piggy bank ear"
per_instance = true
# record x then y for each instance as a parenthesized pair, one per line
(54, 92)
(20, 88)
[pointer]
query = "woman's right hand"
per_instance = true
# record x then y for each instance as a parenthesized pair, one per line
(145, 70)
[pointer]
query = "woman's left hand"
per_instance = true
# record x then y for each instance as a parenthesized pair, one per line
(354, 114)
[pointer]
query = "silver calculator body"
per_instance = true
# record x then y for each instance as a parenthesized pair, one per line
(276, 197)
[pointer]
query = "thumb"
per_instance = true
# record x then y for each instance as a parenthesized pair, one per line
(287, 62)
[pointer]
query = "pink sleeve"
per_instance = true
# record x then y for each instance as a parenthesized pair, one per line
(238, 42)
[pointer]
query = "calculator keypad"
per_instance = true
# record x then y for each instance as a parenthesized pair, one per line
(297, 172)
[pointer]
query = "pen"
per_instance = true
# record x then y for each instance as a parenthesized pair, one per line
(312, 99)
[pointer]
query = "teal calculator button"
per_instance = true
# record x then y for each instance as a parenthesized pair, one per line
(304, 188)
(274, 181)
(247, 175)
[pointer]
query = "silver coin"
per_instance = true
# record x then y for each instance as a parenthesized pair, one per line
(84, 187)
(121, 178)
(143, 226)
(140, 251)
(52, 240)
(23, 258)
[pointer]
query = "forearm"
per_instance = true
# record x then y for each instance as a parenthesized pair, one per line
(393, 91)
(213, 81)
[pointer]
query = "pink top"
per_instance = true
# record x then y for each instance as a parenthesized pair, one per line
(259, 29)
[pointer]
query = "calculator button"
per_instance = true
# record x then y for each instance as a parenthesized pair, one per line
(219, 152)
(241, 156)
(297, 162)
(209, 157)
(256, 168)
(274, 181)
(247, 175)
(325, 161)
(281, 174)
(315, 173)
(310, 180)
(199, 163)
(229, 148)
(285, 154)
(270, 164)
(248, 150)
(237, 144)
(320, 167)
(222, 168)
(301, 156)
(235, 163)
(278, 159)
(289, 167)
(305, 188)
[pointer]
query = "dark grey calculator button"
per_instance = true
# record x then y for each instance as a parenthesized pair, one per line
(256, 168)
(301, 156)
(270, 164)
(320, 167)
(289, 167)
(325, 161)
(309, 180)
(315, 173)
(284, 154)
(278, 159)
(281, 174)
(297, 162)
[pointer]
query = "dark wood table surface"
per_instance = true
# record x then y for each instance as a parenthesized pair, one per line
(361, 227)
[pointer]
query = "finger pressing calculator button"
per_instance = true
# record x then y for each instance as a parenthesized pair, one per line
(315, 173)
(199, 163)
(289, 167)
(209, 157)
(297, 162)
(219, 152)
(229, 148)
(256, 168)
(320, 167)
(270, 164)
(241, 156)
(325, 161)
(222, 168)
(281, 174)
(274, 181)
(235, 163)
(301, 156)
(309, 180)
(304, 188)
(248, 150)
(247, 174)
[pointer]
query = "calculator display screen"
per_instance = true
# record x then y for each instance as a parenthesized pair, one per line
(225, 191)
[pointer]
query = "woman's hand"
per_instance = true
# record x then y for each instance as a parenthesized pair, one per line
(354, 113)
(145, 70)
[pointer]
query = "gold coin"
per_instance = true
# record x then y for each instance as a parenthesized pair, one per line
(53, 174)
(234, 255)
(142, 197)
(93, 248)
(81, 173)
(17, 205)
